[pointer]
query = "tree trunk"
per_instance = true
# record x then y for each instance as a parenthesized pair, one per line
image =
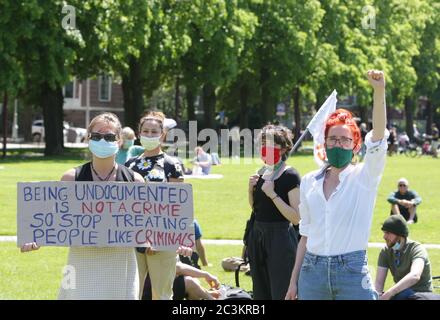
(190, 98)
(409, 115)
(297, 113)
(25, 121)
(363, 114)
(429, 117)
(132, 90)
(51, 101)
(209, 100)
(5, 122)
(177, 101)
(266, 115)
(318, 99)
(244, 111)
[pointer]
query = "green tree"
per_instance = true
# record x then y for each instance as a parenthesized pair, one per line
(39, 60)
(11, 76)
(400, 29)
(142, 41)
(427, 63)
(218, 30)
(286, 43)
(278, 59)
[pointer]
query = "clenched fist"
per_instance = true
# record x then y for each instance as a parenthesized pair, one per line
(376, 79)
(253, 181)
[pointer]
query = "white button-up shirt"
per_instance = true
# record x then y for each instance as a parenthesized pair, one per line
(342, 223)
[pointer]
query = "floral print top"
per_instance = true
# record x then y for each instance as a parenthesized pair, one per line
(159, 168)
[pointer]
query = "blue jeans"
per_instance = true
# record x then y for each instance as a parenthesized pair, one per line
(404, 295)
(342, 277)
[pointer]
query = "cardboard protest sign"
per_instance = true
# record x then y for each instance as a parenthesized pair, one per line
(105, 214)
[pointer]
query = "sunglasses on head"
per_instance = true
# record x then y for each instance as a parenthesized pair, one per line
(96, 136)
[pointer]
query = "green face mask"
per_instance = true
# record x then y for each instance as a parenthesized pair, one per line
(339, 157)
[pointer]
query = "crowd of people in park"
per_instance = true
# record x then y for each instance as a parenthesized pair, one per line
(400, 142)
(306, 238)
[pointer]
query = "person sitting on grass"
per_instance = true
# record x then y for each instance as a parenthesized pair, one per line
(199, 252)
(407, 260)
(404, 201)
(192, 287)
(202, 162)
(186, 284)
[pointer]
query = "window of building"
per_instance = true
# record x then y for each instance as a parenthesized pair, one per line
(104, 85)
(69, 89)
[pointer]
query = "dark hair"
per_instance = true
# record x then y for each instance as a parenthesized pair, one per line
(282, 136)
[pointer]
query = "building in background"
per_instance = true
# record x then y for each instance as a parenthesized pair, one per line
(84, 99)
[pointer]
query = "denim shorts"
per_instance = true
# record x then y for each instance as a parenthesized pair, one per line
(342, 277)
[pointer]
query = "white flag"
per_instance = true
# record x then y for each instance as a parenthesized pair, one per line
(317, 127)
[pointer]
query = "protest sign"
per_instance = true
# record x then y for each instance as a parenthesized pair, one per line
(105, 214)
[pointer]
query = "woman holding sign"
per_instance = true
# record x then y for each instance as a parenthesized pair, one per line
(274, 198)
(100, 272)
(156, 166)
(336, 206)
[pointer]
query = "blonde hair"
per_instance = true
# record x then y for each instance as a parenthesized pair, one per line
(128, 133)
(157, 116)
(109, 118)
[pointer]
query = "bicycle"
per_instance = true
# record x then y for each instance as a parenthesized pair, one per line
(412, 150)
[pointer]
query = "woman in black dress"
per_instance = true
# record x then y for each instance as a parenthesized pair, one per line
(274, 199)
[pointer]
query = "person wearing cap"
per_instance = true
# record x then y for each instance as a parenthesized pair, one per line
(407, 260)
(404, 201)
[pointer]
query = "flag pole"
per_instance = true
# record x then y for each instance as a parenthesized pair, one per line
(318, 118)
(301, 138)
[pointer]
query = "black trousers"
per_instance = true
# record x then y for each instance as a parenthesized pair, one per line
(272, 251)
(405, 213)
(179, 289)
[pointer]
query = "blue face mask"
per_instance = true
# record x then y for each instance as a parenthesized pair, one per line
(103, 149)
(396, 246)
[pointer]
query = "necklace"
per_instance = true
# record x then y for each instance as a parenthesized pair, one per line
(96, 173)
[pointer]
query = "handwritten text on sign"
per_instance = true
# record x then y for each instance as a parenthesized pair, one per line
(104, 214)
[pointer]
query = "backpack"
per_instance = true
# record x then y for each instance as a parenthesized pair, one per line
(232, 263)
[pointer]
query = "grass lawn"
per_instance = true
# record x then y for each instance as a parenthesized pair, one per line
(221, 207)
(37, 275)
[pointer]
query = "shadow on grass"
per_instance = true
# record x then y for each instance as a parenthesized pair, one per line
(76, 154)
(36, 154)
